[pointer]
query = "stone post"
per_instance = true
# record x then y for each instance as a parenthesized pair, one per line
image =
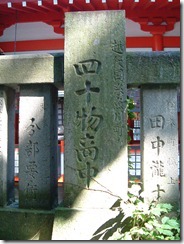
(38, 146)
(160, 143)
(96, 168)
(7, 140)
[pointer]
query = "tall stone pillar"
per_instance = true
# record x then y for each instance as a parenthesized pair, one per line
(7, 140)
(160, 143)
(96, 172)
(95, 123)
(38, 146)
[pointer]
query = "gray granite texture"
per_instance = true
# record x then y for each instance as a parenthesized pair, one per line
(38, 147)
(95, 109)
(160, 143)
(7, 137)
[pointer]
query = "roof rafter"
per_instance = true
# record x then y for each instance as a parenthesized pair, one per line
(52, 11)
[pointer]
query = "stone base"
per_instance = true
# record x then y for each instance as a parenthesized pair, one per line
(85, 224)
(59, 224)
(20, 224)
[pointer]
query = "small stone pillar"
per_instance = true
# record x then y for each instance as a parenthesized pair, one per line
(160, 143)
(38, 146)
(96, 162)
(7, 140)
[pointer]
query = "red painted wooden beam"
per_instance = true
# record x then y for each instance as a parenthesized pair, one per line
(158, 15)
(58, 44)
(158, 42)
(149, 42)
(33, 45)
(139, 42)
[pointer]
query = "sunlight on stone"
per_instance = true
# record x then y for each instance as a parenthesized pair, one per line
(35, 237)
(104, 188)
(160, 144)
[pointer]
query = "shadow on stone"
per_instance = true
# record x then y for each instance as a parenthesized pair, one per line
(16, 224)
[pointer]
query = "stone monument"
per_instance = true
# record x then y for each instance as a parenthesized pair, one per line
(96, 162)
(160, 143)
(95, 109)
(7, 137)
(38, 146)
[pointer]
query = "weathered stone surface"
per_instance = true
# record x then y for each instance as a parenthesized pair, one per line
(38, 147)
(142, 68)
(83, 224)
(32, 68)
(153, 68)
(7, 135)
(19, 224)
(95, 109)
(160, 143)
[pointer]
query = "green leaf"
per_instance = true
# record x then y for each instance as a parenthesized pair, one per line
(164, 219)
(148, 226)
(127, 236)
(166, 207)
(173, 223)
(156, 211)
(139, 231)
(167, 227)
(165, 232)
(155, 223)
(131, 116)
(159, 237)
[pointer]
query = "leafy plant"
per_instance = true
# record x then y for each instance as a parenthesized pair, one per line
(138, 221)
(130, 114)
(150, 222)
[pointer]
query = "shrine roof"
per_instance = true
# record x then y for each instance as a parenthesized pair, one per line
(152, 15)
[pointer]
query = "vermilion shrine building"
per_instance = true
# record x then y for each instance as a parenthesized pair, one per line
(29, 26)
